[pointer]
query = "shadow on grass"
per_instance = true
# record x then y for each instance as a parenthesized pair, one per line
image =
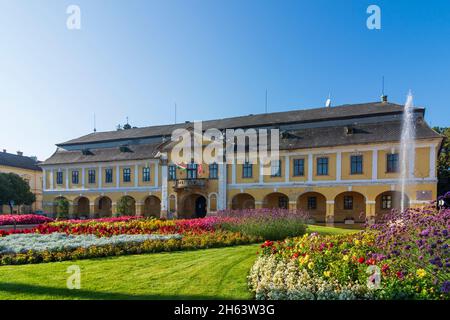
(63, 293)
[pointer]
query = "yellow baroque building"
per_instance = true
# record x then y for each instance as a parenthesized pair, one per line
(340, 164)
(28, 169)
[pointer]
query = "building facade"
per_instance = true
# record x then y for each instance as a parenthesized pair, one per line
(339, 164)
(27, 168)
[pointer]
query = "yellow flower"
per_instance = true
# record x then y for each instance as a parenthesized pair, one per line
(356, 242)
(327, 274)
(311, 265)
(421, 273)
(345, 258)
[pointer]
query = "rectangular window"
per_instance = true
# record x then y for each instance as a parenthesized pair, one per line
(91, 176)
(59, 177)
(356, 164)
(213, 171)
(348, 202)
(386, 202)
(247, 170)
(146, 174)
(322, 166)
(108, 175)
(192, 171)
(392, 162)
(172, 172)
(75, 176)
(312, 203)
(299, 167)
(126, 175)
(275, 168)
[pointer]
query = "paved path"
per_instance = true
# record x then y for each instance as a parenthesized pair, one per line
(18, 227)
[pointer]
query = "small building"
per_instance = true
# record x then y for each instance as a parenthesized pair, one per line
(338, 163)
(28, 169)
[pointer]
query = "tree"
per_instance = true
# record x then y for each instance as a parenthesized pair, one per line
(125, 206)
(62, 208)
(15, 191)
(443, 170)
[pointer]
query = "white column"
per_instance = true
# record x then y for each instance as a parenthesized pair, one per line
(51, 179)
(338, 165)
(222, 187)
(432, 161)
(136, 175)
(375, 164)
(117, 176)
(100, 177)
(233, 172)
(67, 178)
(157, 174)
(164, 185)
(287, 167)
(310, 167)
(261, 172)
(82, 178)
(44, 179)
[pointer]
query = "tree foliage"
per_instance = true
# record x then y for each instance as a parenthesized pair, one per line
(125, 206)
(62, 208)
(443, 169)
(15, 191)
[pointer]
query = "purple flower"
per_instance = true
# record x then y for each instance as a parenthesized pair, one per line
(445, 288)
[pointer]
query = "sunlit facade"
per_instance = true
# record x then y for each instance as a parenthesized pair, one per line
(341, 164)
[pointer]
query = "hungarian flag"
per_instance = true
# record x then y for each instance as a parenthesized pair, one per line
(181, 166)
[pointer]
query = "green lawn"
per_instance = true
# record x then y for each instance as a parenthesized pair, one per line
(202, 274)
(329, 230)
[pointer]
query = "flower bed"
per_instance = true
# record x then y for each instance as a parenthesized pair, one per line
(22, 243)
(130, 226)
(405, 257)
(11, 219)
(273, 224)
(119, 247)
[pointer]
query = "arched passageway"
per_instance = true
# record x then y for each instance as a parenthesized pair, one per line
(103, 207)
(194, 206)
(387, 201)
(276, 200)
(314, 204)
(242, 201)
(81, 208)
(152, 207)
(350, 205)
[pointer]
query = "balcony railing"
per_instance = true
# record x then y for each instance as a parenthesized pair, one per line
(190, 183)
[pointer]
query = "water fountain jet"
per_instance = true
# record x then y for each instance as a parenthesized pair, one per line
(407, 146)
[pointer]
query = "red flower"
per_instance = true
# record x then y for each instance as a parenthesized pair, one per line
(385, 268)
(361, 260)
(399, 274)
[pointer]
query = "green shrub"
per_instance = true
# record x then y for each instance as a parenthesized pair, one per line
(268, 228)
(62, 208)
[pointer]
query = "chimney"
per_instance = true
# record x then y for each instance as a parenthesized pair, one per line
(19, 153)
(4, 150)
(384, 98)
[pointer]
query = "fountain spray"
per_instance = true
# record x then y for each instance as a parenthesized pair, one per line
(407, 146)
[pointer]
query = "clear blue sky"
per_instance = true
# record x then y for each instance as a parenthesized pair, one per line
(213, 58)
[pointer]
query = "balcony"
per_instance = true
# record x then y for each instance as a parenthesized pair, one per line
(190, 184)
